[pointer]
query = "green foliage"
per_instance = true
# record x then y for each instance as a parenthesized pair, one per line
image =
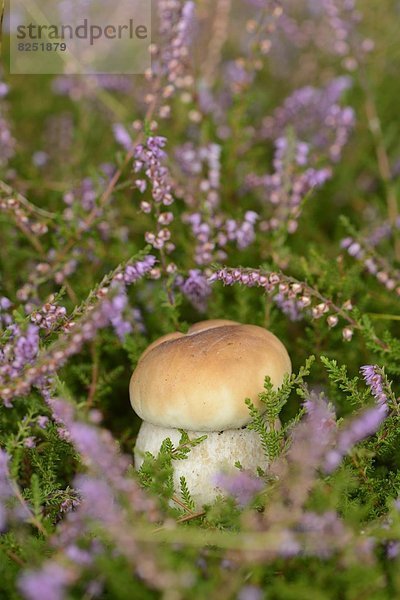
(265, 420)
(156, 473)
(185, 445)
(185, 493)
(350, 386)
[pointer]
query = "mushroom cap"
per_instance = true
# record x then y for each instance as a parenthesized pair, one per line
(199, 381)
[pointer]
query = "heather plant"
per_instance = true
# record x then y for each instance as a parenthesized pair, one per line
(251, 175)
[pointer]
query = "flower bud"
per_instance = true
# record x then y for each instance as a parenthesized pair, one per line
(347, 334)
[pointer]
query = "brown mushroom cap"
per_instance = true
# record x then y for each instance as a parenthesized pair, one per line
(199, 381)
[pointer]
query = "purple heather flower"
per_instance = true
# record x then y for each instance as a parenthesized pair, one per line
(355, 250)
(97, 497)
(243, 485)
(94, 589)
(17, 353)
(42, 421)
(26, 346)
(197, 289)
(134, 272)
(311, 439)
(5, 303)
(3, 89)
(49, 583)
(324, 531)
(242, 233)
(40, 158)
(114, 309)
(393, 549)
(5, 489)
(77, 555)
(176, 25)
(77, 87)
(237, 76)
(286, 187)
(3, 517)
(22, 347)
(7, 142)
(96, 446)
(30, 442)
(290, 307)
(288, 546)
(374, 380)
(379, 233)
(346, 242)
(358, 429)
(148, 160)
(5, 312)
(320, 414)
(371, 266)
(250, 592)
(122, 136)
(316, 118)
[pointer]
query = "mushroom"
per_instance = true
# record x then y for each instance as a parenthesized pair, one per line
(198, 382)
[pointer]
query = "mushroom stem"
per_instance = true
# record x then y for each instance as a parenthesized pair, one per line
(216, 454)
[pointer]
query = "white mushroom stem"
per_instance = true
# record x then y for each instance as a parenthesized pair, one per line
(218, 453)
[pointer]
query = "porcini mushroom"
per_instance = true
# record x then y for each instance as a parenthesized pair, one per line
(199, 382)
